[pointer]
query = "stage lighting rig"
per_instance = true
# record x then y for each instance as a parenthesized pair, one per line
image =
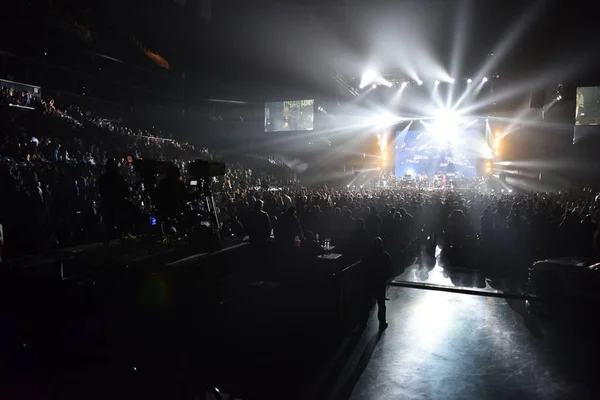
(558, 92)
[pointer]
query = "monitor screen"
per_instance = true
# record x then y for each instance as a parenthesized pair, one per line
(423, 153)
(587, 102)
(295, 115)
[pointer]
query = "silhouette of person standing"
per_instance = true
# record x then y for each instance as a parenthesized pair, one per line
(113, 194)
(259, 224)
(379, 268)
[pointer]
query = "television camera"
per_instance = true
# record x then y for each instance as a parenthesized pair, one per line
(200, 219)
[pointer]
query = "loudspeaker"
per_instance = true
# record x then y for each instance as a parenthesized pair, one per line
(538, 98)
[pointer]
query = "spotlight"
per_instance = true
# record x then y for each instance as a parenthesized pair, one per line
(404, 84)
(451, 80)
(485, 79)
(498, 133)
(559, 97)
(497, 153)
(437, 82)
(419, 82)
(469, 80)
(368, 77)
(373, 86)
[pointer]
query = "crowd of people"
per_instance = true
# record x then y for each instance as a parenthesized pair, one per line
(532, 224)
(51, 160)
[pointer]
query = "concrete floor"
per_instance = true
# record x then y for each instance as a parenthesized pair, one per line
(453, 346)
(442, 345)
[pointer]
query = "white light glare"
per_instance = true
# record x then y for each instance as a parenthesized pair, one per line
(469, 80)
(410, 172)
(419, 82)
(451, 80)
(437, 82)
(368, 77)
(404, 84)
(374, 86)
(485, 79)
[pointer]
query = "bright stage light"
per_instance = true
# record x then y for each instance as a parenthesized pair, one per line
(485, 80)
(368, 77)
(469, 80)
(451, 80)
(447, 118)
(384, 156)
(445, 125)
(437, 82)
(404, 84)
(410, 172)
(419, 82)
(373, 86)
(386, 120)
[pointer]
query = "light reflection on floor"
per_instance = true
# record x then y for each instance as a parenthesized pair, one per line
(454, 346)
(425, 269)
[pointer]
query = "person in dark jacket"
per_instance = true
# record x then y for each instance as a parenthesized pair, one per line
(288, 227)
(259, 224)
(378, 264)
(373, 224)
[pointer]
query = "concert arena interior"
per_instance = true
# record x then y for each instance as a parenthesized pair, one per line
(284, 199)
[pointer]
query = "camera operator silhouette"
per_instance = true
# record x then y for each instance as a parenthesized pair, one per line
(171, 195)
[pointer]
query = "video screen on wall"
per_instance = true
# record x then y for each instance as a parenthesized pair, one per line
(422, 153)
(587, 110)
(295, 115)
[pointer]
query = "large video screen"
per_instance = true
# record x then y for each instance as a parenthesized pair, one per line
(296, 115)
(423, 153)
(587, 110)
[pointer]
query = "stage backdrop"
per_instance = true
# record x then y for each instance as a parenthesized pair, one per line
(420, 152)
